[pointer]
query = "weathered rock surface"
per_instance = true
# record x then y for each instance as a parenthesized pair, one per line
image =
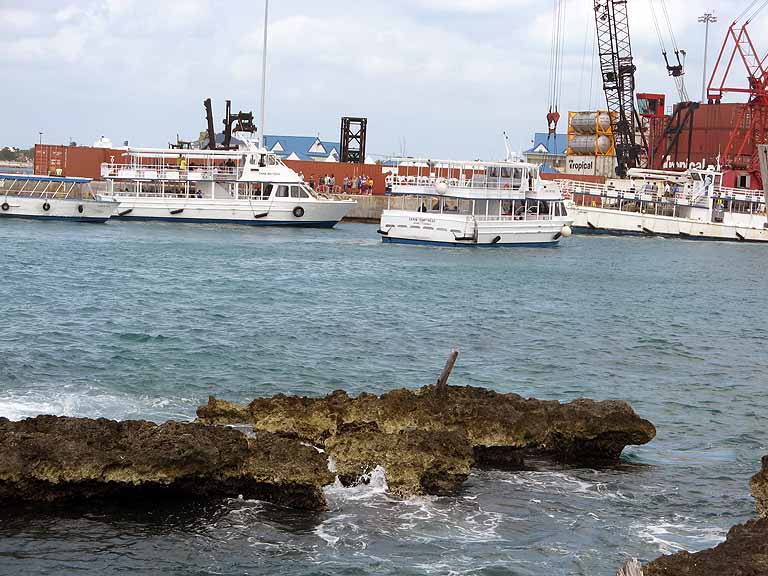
(499, 426)
(758, 485)
(415, 461)
(744, 553)
(52, 458)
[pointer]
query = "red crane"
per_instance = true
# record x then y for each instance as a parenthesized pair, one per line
(751, 127)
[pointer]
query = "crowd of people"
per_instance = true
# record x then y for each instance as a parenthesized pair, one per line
(349, 185)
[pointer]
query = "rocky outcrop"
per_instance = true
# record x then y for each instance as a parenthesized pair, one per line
(758, 485)
(427, 439)
(744, 553)
(499, 426)
(52, 458)
(415, 461)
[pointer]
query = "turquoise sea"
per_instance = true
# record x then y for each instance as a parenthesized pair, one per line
(146, 320)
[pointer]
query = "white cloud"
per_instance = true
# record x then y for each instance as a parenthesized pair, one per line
(448, 75)
(17, 19)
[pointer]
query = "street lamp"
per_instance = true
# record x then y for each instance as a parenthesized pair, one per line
(41, 137)
(706, 19)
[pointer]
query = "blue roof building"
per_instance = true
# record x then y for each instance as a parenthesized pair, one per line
(303, 148)
(548, 150)
(309, 148)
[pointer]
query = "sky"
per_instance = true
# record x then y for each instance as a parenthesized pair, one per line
(436, 78)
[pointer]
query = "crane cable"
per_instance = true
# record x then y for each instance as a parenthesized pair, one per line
(752, 10)
(676, 71)
(556, 65)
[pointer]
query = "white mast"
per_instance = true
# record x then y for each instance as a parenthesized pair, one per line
(263, 77)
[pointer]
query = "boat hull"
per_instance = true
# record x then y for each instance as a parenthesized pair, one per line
(406, 227)
(601, 221)
(307, 214)
(61, 209)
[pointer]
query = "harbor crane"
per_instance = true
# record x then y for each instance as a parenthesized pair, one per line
(751, 126)
(618, 72)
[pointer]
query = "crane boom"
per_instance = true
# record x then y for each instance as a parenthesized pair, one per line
(618, 71)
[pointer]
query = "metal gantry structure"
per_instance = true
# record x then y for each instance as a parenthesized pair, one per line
(751, 125)
(618, 73)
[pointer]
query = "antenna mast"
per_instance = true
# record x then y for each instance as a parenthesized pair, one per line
(263, 77)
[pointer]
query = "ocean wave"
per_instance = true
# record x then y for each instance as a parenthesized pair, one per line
(88, 401)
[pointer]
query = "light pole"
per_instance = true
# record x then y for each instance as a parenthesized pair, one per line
(706, 19)
(41, 137)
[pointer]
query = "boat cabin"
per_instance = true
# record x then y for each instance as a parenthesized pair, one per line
(248, 173)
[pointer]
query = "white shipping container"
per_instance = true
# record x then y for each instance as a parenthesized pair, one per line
(604, 166)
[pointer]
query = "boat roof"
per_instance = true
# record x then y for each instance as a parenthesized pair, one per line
(188, 153)
(68, 180)
(467, 164)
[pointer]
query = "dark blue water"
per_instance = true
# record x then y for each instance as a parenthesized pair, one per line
(145, 321)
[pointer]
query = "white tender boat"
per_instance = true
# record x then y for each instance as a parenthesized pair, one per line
(247, 186)
(51, 198)
(691, 204)
(448, 203)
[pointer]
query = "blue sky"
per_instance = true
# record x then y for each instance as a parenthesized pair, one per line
(444, 77)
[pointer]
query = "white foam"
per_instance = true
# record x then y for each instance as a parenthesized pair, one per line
(675, 535)
(369, 486)
(560, 482)
(91, 402)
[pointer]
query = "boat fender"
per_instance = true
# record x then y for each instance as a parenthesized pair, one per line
(125, 212)
(80, 208)
(383, 232)
(298, 211)
(591, 226)
(557, 236)
(740, 237)
(177, 211)
(46, 206)
(496, 240)
(5, 206)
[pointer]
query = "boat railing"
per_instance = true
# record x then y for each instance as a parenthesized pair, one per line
(169, 173)
(45, 189)
(476, 182)
(685, 196)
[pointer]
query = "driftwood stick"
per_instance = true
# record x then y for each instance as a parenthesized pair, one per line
(631, 568)
(442, 382)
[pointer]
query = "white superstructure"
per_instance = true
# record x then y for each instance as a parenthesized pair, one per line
(247, 186)
(51, 198)
(691, 204)
(449, 203)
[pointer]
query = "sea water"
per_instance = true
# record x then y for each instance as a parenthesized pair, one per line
(146, 320)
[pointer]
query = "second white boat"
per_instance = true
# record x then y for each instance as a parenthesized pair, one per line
(450, 203)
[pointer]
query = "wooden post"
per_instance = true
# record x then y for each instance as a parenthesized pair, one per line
(442, 382)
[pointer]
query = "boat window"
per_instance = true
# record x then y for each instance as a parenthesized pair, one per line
(298, 192)
(282, 192)
(266, 190)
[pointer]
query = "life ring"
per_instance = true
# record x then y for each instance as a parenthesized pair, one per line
(298, 211)
(80, 208)
(46, 206)
(5, 206)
